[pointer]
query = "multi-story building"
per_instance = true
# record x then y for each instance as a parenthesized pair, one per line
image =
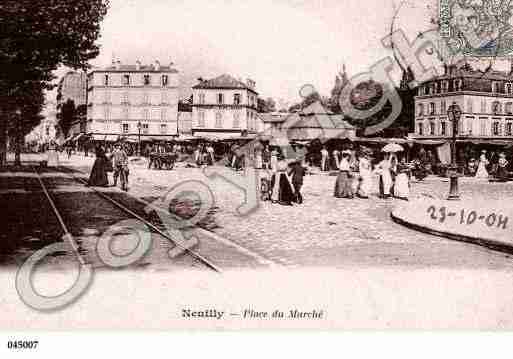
(130, 99)
(225, 107)
(485, 98)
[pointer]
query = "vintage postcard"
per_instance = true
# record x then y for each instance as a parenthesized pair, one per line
(284, 164)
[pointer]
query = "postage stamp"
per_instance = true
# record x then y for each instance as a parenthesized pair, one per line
(477, 27)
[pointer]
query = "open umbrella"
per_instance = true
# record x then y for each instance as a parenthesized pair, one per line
(392, 147)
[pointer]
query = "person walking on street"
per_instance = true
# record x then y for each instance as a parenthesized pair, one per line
(98, 177)
(324, 159)
(274, 160)
(298, 173)
(120, 163)
(266, 158)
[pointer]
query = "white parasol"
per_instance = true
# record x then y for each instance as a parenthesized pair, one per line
(392, 147)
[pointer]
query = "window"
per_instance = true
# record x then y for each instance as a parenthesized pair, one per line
(483, 127)
(443, 128)
(508, 88)
(220, 98)
(164, 97)
(147, 80)
(236, 120)
(421, 129)
(236, 99)
(124, 98)
(201, 98)
(509, 129)
(483, 106)
(509, 108)
(431, 128)
(445, 86)
(201, 119)
(163, 114)
(496, 107)
(219, 120)
(163, 128)
(496, 128)
(107, 97)
(457, 85)
(470, 106)
(145, 99)
(421, 110)
(145, 128)
(106, 80)
(146, 114)
(125, 113)
(164, 80)
(432, 108)
(443, 107)
(125, 128)
(106, 113)
(495, 87)
(126, 80)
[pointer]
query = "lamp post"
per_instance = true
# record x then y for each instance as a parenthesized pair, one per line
(139, 138)
(454, 115)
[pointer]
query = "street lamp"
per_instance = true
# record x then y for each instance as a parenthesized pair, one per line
(139, 138)
(17, 153)
(454, 114)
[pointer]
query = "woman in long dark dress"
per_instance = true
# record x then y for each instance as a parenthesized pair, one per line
(98, 177)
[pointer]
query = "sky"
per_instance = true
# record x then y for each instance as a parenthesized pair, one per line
(280, 44)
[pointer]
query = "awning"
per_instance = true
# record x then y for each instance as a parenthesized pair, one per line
(107, 138)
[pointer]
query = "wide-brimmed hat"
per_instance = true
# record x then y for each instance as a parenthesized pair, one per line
(346, 152)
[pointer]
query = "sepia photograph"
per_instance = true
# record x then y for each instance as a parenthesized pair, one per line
(255, 165)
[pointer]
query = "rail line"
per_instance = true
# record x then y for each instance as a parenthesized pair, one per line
(124, 209)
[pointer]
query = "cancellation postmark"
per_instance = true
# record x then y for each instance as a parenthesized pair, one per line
(481, 28)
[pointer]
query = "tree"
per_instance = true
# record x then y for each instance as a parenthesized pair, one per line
(267, 105)
(37, 37)
(67, 115)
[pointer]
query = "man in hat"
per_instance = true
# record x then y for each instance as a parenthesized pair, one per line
(502, 171)
(120, 164)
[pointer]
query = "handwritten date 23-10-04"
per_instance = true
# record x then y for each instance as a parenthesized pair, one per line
(468, 217)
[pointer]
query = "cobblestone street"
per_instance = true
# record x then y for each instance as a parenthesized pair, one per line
(326, 230)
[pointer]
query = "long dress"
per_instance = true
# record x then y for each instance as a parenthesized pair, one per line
(385, 178)
(343, 184)
(402, 187)
(258, 159)
(324, 160)
(481, 168)
(365, 178)
(283, 192)
(274, 161)
(98, 177)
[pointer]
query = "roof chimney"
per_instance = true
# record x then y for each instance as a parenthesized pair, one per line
(157, 65)
(118, 65)
(138, 65)
(250, 83)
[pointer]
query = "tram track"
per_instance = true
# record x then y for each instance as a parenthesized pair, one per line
(119, 206)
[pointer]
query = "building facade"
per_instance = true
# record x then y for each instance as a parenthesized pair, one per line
(485, 98)
(125, 100)
(225, 107)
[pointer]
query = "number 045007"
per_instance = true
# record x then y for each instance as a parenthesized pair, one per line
(22, 344)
